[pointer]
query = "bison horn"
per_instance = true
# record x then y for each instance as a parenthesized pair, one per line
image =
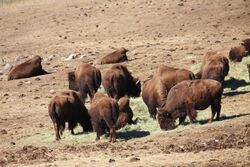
(137, 82)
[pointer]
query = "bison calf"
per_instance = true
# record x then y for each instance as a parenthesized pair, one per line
(125, 113)
(68, 107)
(156, 89)
(119, 82)
(115, 57)
(30, 68)
(86, 79)
(188, 96)
(104, 113)
(214, 66)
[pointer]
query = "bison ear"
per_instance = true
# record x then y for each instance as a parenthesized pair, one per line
(71, 76)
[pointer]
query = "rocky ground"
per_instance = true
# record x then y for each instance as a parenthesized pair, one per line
(172, 32)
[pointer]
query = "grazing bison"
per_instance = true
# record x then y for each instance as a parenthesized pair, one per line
(125, 113)
(214, 66)
(118, 82)
(188, 96)
(156, 89)
(30, 68)
(68, 107)
(115, 57)
(237, 53)
(86, 79)
(104, 113)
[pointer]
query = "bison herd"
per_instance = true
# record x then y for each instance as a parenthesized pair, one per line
(171, 93)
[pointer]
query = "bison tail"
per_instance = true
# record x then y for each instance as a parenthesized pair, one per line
(97, 78)
(53, 114)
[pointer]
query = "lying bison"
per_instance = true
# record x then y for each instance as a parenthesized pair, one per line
(125, 113)
(86, 79)
(68, 107)
(237, 53)
(188, 96)
(214, 66)
(30, 68)
(118, 82)
(104, 113)
(115, 57)
(155, 90)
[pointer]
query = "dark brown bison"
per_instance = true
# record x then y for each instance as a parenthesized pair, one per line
(115, 57)
(188, 96)
(30, 68)
(68, 107)
(86, 79)
(237, 53)
(125, 113)
(119, 82)
(156, 89)
(104, 113)
(214, 66)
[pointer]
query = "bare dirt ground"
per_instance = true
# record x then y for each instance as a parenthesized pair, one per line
(172, 32)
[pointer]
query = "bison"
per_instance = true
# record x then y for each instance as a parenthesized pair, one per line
(29, 68)
(104, 113)
(86, 79)
(115, 57)
(237, 53)
(125, 113)
(156, 89)
(68, 107)
(214, 66)
(188, 96)
(119, 82)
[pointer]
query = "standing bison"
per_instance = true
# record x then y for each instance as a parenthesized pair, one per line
(86, 79)
(155, 90)
(104, 113)
(125, 113)
(119, 82)
(188, 96)
(214, 66)
(115, 57)
(68, 107)
(30, 68)
(237, 53)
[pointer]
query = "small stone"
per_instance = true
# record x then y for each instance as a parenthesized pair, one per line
(37, 79)
(134, 159)
(52, 91)
(6, 94)
(12, 143)
(36, 97)
(111, 160)
(8, 66)
(27, 82)
(71, 57)
(19, 57)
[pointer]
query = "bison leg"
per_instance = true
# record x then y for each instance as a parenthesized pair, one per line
(62, 127)
(152, 111)
(182, 119)
(72, 125)
(112, 134)
(189, 113)
(56, 128)
(215, 107)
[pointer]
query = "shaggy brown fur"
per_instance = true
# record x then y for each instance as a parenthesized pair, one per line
(237, 53)
(125, 113)
(188, 96)
(68, 107)
(104, 113)
(86, 79)
(214, 66)
(119, 82)
(115, 57)
(156, 89)
(30, 68)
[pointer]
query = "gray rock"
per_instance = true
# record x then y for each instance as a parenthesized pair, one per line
(72, 56)
(8, 66)
(19, 57)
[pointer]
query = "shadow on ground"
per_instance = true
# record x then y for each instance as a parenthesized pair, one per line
(132, 134)
(222, 118)
(234, 83)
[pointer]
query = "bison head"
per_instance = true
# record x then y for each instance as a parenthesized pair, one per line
(166, 121)
(72, 81)
(135, 88)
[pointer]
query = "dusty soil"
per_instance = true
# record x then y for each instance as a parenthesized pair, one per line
(172, 32)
